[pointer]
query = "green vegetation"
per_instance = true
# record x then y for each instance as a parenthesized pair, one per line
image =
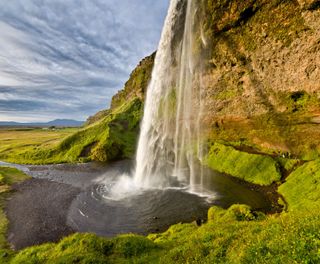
(273, 134)
(302, 188)
(254, 168)
(236, 235)
(88, 248)
(108, 135)
(15, 142)
(8, 176)
(288, 164)
(112, 137)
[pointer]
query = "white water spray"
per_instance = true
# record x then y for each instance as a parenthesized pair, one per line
(169, 146)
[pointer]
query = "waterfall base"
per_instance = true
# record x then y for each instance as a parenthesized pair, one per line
(136, 210)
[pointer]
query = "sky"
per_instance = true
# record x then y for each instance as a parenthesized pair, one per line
(66, 58)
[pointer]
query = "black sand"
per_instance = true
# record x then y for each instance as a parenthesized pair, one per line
(37, 212)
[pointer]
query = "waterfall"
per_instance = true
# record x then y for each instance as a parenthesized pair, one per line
(169, 147)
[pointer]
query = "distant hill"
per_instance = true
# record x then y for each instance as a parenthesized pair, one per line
(56, 123)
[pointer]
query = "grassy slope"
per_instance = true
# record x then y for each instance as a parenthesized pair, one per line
(114, 136)
(302, 188)
(8, 176)
(236, 235)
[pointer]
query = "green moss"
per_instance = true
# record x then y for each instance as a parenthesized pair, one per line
(238, 212)
(129, 246)
(238, 235)
(254, 168)
(11, 175)
(88, 248)
(2, 178)
(302, 188)
(215, 213)
(227, 94)
(235, 235)
(112, 138)
(288, 164)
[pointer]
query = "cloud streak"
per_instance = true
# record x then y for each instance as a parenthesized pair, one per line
(65, 59)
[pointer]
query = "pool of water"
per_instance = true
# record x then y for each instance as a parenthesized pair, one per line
(141, 211)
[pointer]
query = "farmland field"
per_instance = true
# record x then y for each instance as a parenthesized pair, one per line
(15, 141)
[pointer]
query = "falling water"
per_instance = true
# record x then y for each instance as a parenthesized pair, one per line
(169, 147)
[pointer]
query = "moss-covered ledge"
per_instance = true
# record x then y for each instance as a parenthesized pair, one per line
(253, 168)
(301, 189)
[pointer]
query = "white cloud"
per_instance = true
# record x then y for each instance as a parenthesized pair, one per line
(69, 57)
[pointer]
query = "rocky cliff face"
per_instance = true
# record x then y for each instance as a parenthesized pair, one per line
(260, 72)
(261, 53)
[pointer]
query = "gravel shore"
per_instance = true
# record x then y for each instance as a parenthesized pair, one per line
(37, 212)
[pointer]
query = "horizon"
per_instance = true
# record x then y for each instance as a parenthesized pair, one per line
(63, 60)
(44, 122)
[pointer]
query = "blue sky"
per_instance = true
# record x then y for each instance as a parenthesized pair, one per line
(66, 58)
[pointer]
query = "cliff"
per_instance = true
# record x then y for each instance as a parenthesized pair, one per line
(260, 66)
(262, 71)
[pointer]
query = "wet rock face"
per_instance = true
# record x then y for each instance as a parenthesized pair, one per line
(260, 71)
(271, 50)
(309, 4)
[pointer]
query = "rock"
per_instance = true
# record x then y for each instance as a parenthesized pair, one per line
(199, 222)
(316, 120)
(309, 4)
